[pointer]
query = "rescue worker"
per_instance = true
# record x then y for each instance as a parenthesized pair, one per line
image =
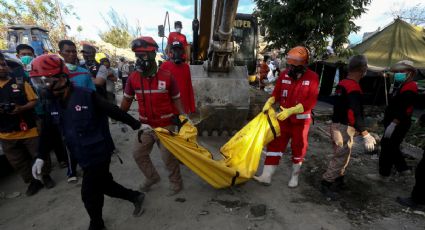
(79, 77)
(264, 70)
(125, 70)
(417, 196)
(89, 56)
(178, 36)
(45, 127)
(347, 120)
(26, 54)
(397, 121)
(105, 78)
(18, 130)
(157, 93)
(82, 115)
(296, 89)
(181, 72)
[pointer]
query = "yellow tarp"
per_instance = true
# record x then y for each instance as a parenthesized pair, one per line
(241, 153)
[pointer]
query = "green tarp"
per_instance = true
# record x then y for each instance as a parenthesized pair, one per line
(398, 41)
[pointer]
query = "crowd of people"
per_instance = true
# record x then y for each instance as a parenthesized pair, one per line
(58, 104)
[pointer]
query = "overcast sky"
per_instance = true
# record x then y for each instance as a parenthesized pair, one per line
(151, 13)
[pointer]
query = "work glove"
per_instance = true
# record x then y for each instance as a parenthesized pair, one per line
(389, 130)
(36, 168)
(123, 127)
(146, 127)
(268, 104)
(289, 111)
(369, 142)
(182, 117)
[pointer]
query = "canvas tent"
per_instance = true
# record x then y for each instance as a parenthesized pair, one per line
(398, 41)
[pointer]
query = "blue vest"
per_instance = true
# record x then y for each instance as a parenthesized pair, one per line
(86, 130)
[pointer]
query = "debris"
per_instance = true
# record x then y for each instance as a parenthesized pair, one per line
(258, 210)
(203, 213)
(230, 204)
(13, 195)
(179, 199)
(419, 213)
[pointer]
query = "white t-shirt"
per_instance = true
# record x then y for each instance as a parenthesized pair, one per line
(104, 72)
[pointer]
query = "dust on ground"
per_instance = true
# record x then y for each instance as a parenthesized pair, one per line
(365, 205)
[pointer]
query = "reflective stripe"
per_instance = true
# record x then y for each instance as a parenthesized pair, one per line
(162, 117)
(177, 96)
(128, 96)
(303, 116)
(151, 91)
(167, 115)
(274, 154)
(286, 82)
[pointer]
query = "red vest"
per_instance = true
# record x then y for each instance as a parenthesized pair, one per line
(153, 97)
(181, 73)
(305, 90)
(409, 86)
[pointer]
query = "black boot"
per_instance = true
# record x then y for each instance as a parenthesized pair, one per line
(138, 202)
(48, 182)
(340, 184)
(34, 187)
(96, 226)
(325, 189)
(409, 202)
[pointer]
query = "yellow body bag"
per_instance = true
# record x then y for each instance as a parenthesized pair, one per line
(241, 153)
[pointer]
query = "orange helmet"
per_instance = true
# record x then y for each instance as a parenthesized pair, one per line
(298, 55)
(144, 44)
(48, 65)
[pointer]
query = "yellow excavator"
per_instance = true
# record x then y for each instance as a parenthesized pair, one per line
(223, 55)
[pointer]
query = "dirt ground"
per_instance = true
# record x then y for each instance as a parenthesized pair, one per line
(365, 205)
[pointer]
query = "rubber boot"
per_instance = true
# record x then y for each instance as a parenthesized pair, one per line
(266, 176)
(296, 169)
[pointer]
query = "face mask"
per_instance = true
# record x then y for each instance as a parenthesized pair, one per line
(26, 60)
(178, 30)
(295, 70)
(147, 65)
(177, 55)
(400, 77)
(71, 67)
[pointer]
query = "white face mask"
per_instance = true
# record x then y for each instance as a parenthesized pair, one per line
(71, 67)
(179, 30)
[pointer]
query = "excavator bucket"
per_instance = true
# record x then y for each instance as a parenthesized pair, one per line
(222, 99)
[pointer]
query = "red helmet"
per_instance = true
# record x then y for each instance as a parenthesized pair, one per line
(48, 65)
(144, 44)
(298, 55)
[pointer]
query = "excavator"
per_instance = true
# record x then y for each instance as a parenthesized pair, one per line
(223, 56)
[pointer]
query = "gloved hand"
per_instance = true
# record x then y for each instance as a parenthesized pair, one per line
(289, 111)
(123, 127)
(369, 142)
(146, 127)
(36, 168)
(185, 116)
(389, 130)
(268, 104)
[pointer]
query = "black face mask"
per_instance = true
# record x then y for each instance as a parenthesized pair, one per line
(295, 70)
(146, 65)
(177, 55)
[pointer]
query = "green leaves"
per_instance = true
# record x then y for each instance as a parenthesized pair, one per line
(44, 13)
(309, 22)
